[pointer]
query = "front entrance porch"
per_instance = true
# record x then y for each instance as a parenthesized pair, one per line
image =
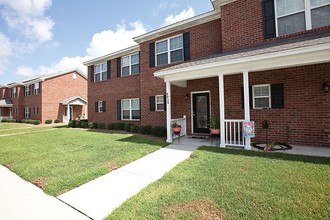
(75, 108)
(6, 111)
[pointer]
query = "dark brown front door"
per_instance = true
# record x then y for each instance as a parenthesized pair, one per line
(201, 112)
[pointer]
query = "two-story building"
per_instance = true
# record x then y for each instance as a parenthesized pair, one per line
(61, 95)
(247, 60)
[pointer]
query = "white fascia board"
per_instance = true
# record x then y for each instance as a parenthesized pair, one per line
(190, 22)
(102, 59)
(284, 59)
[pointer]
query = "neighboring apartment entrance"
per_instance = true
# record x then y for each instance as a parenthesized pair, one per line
(71, 113)
(201, 112)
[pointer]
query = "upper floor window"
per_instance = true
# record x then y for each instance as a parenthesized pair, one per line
(130, 64)
(36, 89)
(130, 109)
(169, 50)
(26, 90)
(13, 92)
(300, 15)
(100, 72)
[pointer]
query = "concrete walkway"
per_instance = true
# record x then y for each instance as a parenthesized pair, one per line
(98, 198)
(20, 199)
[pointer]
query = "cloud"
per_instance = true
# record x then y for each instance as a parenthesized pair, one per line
(185, 14)
(102, 43)
(109, 41)
(5, 51)
(27, 17)
(162, 6)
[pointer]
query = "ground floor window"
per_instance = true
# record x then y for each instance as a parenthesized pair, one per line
(160, 103)
(36, 110)
(261, 96)
(27, 113)
(130, 109)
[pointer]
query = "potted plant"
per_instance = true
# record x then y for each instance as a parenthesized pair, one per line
(214, 125)
(176, 128)
(269, 146)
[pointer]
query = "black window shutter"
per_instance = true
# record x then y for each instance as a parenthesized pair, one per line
(250, 97)
(96, 107)
(119, 67)
(186, 45)
(165, 105)
(91, 73)
(118, 109)
(108, 69)
(104, 106)
(152, 103)
(277, 95)
(268, 10)
(152, 54)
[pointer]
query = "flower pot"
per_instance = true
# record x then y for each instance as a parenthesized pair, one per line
(215, 131)
(176, 130)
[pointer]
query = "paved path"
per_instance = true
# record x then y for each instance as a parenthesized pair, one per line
(20, 199)
(100, 197)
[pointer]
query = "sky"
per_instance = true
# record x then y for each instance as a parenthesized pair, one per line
(39, 37)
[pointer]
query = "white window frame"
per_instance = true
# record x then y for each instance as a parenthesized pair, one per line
(26, 90)
(100, 106)
(254, 97)
(169, 50)
(130, 110)
(36, 89)
(14, 92)
(130, 64)
(101, 72)
(36, 110)
(27, 114)
(308, 14)
(159, 103)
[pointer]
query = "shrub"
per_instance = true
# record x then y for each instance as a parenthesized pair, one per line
(57, 121)
(120, 126)
(78, 124)
(36, 122)
(8, 120)
(146, 129)
(102, 126)
(128, 127)
(111, 126)
(29, 121)
(135, 128)
(48, 121)
(95, 125)
(159, 131)
(84, 124)
(72, 123)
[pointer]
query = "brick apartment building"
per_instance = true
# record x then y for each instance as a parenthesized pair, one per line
(246, 60)
(49, 97)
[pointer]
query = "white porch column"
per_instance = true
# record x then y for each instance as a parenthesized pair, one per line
(168, 112)
(222, 111)
(85, 110)
(246, 105)
(68, 113)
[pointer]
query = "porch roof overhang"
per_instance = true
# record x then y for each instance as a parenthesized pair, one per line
(75, 100)
(6, 103)
(299, 53)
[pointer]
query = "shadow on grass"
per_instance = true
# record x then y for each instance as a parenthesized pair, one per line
(278, 156)
(137, 139)
(60, 126)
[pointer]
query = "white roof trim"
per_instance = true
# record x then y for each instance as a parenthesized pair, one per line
(74, 98)
(190, 22)
(275, 60)
(102, 59)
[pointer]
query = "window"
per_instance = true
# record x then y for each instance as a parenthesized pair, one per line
(261, 96)
(100, 72)
(159, 103)
(26, 90)
(130, 109)
(27, 112)
(36, 89)
(300, 15)
(130, 65)
(100, 106)
(169, 50)
(13, 92)
(36, 110)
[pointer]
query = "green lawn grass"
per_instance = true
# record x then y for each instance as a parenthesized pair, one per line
(20, 130)
(65, 158)
(236, 184)
(6, 126)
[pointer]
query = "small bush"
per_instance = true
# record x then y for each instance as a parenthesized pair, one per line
(84, 124)
(48, 121)
(90, 125)
(128, 127)
(111, 126)
(159, 131)
(8, 120)
(29, 121)
(57, 121)
(72, 123)
(146, 129)
(102, 126)
(120, 126)
(78, 124)
(36, 122)
(135, 128)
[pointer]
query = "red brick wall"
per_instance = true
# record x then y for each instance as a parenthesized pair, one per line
(55, 90)
(242, 25)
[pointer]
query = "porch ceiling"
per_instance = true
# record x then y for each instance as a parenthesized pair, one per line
(300, 53)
